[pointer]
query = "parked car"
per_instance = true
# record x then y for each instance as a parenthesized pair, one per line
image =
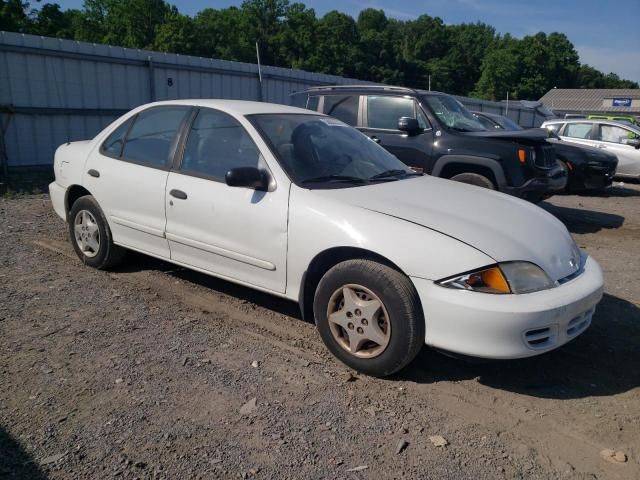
(589, 168)
(620, 139)
(628, 119)
(300, 205)
(435, 133)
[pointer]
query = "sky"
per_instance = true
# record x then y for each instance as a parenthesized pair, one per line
(606, 33)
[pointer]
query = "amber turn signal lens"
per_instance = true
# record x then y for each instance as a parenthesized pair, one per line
(522, 155)
(494, 279)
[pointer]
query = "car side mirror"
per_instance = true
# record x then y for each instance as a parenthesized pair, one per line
(248, 177)
(409, 125)
(634, 142)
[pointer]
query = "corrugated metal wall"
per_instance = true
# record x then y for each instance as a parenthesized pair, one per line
(53, 91)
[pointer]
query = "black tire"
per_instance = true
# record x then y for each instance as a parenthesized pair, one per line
(107, 255)
(474, 179)
(400, 300)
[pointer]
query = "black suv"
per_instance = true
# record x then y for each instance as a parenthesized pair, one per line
(433, 132)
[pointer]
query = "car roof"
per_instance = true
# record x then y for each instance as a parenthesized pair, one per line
(237, 107)
(370, 88)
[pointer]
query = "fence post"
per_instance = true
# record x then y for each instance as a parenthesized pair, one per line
(4, 158)
(152, 80)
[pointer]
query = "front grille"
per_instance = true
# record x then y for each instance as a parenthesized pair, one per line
(580, 323)
(545, 157)
(540, 337)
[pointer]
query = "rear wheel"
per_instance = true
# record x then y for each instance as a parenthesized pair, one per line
(369, 316)
(474, 179)
(91, 236)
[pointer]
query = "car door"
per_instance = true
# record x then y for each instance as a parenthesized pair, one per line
(614, 139)
(380, 123)
(127, 176)
(578, 132)
(235, 233)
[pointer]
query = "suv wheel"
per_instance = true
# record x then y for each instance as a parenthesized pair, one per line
(474, 179)
(369, 316)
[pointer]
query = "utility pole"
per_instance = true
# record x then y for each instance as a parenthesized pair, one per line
(429, 82)
(506, 113)
(259, 73)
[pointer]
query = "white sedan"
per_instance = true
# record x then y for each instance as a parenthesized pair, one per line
(302, 206)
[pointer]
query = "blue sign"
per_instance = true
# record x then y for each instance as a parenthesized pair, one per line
(621, 102)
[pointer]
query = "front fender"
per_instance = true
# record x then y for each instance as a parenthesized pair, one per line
(317, 224)
(489, 163)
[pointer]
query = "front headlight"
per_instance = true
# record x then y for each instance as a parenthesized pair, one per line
(507, 277)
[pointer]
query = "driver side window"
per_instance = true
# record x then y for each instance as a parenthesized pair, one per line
(216, 144)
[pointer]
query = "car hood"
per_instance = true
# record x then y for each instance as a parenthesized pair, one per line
(503, 227)
(532, 134)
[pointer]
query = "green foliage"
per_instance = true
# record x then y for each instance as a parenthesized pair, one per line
(461, 59)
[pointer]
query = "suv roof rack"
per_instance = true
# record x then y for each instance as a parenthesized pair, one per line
(363, 87)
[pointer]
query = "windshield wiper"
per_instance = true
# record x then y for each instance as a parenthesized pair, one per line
(334, 178)
(393, 174)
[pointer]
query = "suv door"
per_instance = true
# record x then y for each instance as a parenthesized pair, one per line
(380, 122)
(128, 173)
(614, 138)
(235, 233)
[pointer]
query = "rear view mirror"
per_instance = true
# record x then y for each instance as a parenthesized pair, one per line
(409, 125)
(248, 177)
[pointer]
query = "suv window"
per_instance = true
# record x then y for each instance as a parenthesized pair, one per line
(150, 139)
(342, 107)
(216, 144)
(312, 103)
(615, 134)
(578, 130)
(384, 111)
(112, 146)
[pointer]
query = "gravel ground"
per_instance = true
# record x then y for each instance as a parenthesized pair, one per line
(152, 371)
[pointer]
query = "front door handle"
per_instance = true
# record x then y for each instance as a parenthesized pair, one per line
(179, 194)
(375, 139)
(94, 173)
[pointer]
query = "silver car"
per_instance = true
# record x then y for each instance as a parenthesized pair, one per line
(619, 138)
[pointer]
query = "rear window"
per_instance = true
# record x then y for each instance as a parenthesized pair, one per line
(150, 139)
(342, 107)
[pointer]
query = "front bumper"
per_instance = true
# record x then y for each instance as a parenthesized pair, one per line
(509, 326)
(546, 182)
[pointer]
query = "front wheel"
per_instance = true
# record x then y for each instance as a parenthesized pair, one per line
(91, 236)
(474, 179)
(369, 316)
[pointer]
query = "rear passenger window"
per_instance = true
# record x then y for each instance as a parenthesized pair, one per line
(384, 111)
(312, 103)
(150, 139)
(216, 144)
(342, 107)
(112, 146)
(578, 130)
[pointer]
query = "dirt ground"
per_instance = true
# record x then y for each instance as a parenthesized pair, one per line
(151, 371)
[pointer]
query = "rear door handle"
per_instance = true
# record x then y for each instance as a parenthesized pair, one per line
(375, 139)
(94, 173)
(179, 194)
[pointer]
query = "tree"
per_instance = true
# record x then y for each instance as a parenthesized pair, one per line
(13, 16)
(176, 35)
(337, 38)
(500, 70)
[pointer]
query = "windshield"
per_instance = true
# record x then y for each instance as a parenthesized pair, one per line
(322, 152)
(453, 114)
